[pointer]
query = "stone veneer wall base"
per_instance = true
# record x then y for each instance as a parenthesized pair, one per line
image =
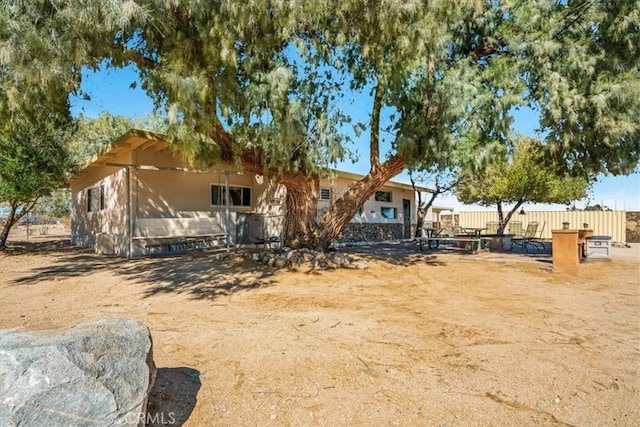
(371, 232)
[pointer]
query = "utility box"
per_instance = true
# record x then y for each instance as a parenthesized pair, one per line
(598, 247)
(249, 227)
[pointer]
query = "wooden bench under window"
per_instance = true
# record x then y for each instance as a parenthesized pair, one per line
(175, 244)
(178, 234)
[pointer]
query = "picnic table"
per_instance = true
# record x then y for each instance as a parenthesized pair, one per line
(431, 236)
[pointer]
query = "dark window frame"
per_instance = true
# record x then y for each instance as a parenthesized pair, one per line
(394, 209)
(95, 198)
(380, 196)
(240, 196)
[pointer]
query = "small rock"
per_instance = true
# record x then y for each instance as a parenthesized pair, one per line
(360, 265)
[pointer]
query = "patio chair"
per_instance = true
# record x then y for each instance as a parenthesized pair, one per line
(515, 228)
(528, 239)
(492, 227)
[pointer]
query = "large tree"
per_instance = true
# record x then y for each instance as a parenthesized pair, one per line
(261, 83)
(34, 161)
(520, 177)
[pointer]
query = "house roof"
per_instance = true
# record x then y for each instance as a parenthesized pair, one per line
(136, 139)
(131, 140)
(393, 184)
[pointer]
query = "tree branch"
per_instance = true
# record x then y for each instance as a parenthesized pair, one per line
(375, 129)
(141, 61)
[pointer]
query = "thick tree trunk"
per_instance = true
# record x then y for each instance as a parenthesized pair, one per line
(301, 209)
(13, 219)
(501, 224)
(4, 234)
(503, 220)
(422, 213)
(341, 212)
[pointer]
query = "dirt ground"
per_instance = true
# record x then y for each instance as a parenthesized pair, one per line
(440, 339)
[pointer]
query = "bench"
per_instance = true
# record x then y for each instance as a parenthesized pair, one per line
(178, 234)
(175, 244)
(275, 240)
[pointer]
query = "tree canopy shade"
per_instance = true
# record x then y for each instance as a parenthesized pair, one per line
(522, 177)
(261, 83)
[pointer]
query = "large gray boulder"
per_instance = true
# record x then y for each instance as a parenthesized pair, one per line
(94, 374)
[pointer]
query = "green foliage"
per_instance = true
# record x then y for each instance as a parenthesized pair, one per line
(521, 178)
(272, 74)
(93, 136)
(580, 63)
(34, 160)
(597, 207)
(54, 206)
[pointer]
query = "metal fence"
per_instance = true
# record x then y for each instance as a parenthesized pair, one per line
(603, 223)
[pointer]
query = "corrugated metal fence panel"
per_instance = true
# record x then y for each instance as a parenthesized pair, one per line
(603, 223)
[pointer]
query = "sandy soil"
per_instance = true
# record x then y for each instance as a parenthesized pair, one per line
(443, 339)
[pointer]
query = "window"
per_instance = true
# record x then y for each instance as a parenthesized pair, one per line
(325, 194)
(359, 213)
(95, 199)
(389, 213)
(383, 196)
(238, 196)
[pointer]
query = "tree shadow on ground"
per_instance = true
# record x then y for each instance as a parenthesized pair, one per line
(71, 261)
(42, 247)
(402, 254)
(200, 274)
(173, 396)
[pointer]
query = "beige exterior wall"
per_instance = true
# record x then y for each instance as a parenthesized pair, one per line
(371, 211)
(164, 202)
(106, 227)
(603, 223)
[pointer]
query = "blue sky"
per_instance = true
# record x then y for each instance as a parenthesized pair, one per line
(110, 91)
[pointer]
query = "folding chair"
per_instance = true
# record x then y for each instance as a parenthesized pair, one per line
(528, 239)
(515, 228)
(492, 227)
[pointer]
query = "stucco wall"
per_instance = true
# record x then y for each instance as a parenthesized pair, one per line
(85, 226)
(371, 210)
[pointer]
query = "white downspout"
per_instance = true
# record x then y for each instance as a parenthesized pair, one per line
(129, 239)
(227, 213)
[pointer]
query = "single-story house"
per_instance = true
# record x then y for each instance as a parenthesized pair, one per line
(139, 195)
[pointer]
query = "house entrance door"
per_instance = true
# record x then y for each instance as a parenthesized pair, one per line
(406, 215)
